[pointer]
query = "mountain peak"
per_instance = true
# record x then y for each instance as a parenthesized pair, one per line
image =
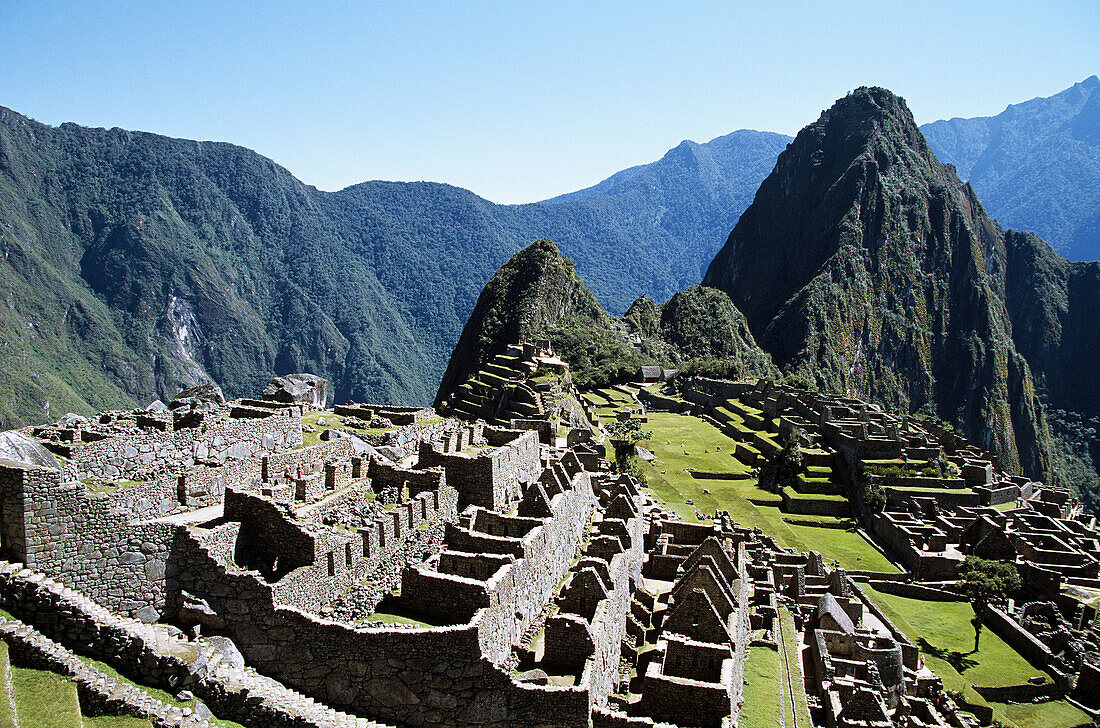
(531, 293)
(863, 261)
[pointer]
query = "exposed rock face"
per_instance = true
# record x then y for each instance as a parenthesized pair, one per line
(19, 448)
(308, 389)
(1054, 306)
(864, 263)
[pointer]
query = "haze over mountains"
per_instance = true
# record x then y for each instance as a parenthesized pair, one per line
(134, 264)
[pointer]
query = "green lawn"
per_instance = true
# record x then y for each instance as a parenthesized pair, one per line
(116, 721)
(795, 681)
(946, 628)
(848, 547)
(682, 441)
(7, 719)
(389, 618)
(1055, 714)
(314, 438)
(762, 687)
(45, 699)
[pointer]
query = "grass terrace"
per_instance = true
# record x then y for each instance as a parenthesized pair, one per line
(946, 638)
(110, 487)
(945, 627)
(1052, 714)
(45, 699)
(683, 441)
(337, 422)
(762, 684)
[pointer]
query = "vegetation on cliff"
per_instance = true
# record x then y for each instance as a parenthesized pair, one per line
(537, 294)
(865, 265)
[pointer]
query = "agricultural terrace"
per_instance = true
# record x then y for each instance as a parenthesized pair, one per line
(45, 699)
(946, 638)
(682, 443)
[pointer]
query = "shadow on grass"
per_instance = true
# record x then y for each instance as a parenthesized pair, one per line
(954, 658)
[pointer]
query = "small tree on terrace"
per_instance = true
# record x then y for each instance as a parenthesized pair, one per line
(625, 434)
(782, 468)
(986, 582)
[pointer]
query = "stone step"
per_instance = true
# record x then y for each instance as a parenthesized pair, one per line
(161, 640)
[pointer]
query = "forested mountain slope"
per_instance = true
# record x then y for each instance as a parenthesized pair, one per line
(1036, 165)
(135, 264)
(866, 265)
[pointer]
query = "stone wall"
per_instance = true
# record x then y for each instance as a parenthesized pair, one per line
(220, 440)
(608, 626)
(408, 438)
(169, 662)
(1018, 638)
(79, 540)
(915, 591)
(308, 565)
(312, 460)
(659, 402)
(490, 478)
(417, 480)
(415, 676)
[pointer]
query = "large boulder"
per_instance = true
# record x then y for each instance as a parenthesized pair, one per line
(203, 398)
(308, 389)
(72, 420)
(19, 448)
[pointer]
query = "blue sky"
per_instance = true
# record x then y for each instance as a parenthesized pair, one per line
(517, 101)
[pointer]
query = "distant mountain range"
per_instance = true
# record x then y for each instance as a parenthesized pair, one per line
(134, 264)
(1036, 165)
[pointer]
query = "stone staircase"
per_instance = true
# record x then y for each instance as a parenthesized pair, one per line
(497, 393)
(113, 696)
(237, 694)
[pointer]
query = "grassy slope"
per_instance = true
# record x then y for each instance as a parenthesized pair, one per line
(681, 441)
(45, 699)
(946, 628)
(762, 685)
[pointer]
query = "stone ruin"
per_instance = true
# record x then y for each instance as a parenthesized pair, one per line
(944, 499)
(525, 387)
(438, 572)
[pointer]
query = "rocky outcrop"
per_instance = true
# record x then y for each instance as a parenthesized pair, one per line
(533, 292)
(308, 389)
(203, 398)
(19, 448)
(866, 265)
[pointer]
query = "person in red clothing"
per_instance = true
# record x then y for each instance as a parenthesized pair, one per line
(299, 471)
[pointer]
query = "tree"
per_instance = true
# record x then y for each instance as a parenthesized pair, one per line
(625, 435)
(782, 468)
(986, 582)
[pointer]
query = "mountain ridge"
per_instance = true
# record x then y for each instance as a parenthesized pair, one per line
(865, 264)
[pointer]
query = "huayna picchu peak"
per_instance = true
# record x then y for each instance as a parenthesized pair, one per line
(865, 265)
(844, 476)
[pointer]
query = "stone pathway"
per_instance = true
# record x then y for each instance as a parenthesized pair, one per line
(269, 703)
(118, 697)
(199, 515)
